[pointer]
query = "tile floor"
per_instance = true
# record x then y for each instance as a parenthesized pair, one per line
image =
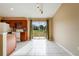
(40, 47)
(21, 45)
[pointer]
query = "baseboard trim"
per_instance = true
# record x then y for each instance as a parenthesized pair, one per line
(65, 49)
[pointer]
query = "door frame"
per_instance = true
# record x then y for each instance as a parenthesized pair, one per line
(39, 20)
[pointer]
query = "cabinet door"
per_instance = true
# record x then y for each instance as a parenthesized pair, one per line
(1, 45)
(23, 36)
(0, 18)
(11, 43)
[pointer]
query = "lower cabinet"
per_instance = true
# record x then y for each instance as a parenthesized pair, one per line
(11, 43)
(1, 45)
(23, 36)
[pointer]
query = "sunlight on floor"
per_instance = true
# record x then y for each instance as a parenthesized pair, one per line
(40, 47)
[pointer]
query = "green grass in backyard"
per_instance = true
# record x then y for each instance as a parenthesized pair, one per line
(37, 33)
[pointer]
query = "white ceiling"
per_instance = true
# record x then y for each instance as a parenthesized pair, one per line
(28, 10)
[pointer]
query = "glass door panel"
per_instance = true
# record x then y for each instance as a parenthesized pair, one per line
(39, 29)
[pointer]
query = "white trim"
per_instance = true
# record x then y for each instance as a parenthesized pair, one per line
(65, 49)
(28, 30)
(4, 44)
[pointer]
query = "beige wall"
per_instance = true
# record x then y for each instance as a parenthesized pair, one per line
(66, 27)
(39, 19)
(50, 27)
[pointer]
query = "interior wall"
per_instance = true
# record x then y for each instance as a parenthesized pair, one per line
(39, 19)
(50, 28)
(66, 27)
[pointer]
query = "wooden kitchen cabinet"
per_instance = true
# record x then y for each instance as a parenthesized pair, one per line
(1, 18)
(23, 36)
(1, 45)
(11, 43)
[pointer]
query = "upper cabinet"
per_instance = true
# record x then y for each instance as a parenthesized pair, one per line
(17, 23)
(1, 18)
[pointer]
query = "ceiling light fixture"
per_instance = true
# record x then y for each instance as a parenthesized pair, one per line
(40, 7)
(11, 9)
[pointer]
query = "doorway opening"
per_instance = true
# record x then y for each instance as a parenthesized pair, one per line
(39, 30)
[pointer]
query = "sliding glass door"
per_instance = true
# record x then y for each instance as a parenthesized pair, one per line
(39, 29)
